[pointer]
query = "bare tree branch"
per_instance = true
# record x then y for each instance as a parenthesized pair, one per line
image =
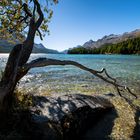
(33, 27)
(34, 10)
(40, 35)
(27, 10)
(40, 62)
(39, 11)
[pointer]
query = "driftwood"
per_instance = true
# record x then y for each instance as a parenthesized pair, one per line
(102, 74)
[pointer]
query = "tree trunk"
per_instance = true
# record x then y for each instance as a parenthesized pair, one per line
(18, 56)
(8, 81)
(17, 65)
(9, 78)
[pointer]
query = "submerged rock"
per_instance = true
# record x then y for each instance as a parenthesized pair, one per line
(67, 116)
(110, 95)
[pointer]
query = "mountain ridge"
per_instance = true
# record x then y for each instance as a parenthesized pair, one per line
(126, 43)
(111, 39)
(7, 45)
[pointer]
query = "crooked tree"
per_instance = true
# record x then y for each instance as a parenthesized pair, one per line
(16, 17)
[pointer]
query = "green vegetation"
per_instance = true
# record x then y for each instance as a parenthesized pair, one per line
(15, 16)
(17, 122)
(130, 46)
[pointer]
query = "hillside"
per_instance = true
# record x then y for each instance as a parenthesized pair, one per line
(39, 48)
(127, 43)
(6, 47)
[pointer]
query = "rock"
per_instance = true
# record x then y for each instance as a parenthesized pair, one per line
(110, 95)
(68, 116)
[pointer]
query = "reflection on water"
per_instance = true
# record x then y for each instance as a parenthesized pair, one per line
(68, 79)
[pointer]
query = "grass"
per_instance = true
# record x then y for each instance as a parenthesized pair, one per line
(17, 122)
(125, 123)
(119, 124)
(22, 101)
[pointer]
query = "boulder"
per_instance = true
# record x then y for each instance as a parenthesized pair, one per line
(67, 116)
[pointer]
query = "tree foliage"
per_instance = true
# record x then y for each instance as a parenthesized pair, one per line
(15, 16)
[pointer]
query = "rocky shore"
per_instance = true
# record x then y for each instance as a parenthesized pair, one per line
(72, 116)
(68, 116)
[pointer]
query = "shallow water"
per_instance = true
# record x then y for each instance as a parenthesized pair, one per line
(69, 79)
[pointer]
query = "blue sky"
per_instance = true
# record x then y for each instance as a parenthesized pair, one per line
(76, 21)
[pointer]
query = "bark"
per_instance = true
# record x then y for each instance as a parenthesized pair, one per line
(8, 81)
(17, 58)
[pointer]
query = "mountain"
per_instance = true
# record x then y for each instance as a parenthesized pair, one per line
(111, 39)
(89, 44)
(64, 52)
(39, 48)
(6, 47)
(127, 43)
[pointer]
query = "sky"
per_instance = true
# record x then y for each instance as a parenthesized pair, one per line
(76, 21)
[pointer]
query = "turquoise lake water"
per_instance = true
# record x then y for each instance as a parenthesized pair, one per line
(69, 79)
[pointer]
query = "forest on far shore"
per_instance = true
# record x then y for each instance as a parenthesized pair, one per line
(130, 46)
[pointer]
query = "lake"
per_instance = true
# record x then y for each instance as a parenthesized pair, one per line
(56, 80)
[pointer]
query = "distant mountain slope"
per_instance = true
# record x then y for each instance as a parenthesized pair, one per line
(111, 39)
(39, 48)
(6, 47)
(107, 40)
(127, 43)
